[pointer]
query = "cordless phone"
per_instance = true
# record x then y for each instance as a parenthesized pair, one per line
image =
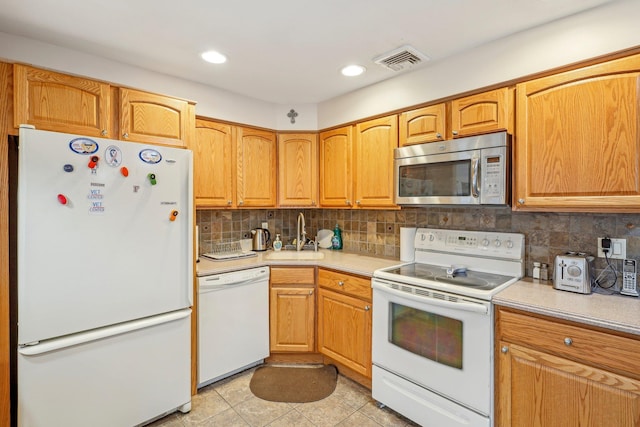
(629, 278)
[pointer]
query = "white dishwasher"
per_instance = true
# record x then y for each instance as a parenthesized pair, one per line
(233, 323)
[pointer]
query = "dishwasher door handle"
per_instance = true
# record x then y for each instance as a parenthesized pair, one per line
(210, 285)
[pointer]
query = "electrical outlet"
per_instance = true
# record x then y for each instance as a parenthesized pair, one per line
(265, 225)
(618, 249)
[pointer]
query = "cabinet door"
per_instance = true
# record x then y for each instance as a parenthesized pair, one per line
(577, 140)
(481, 113)
(155, 119)
(213, 164)
(336, 168)
(298, 170)
(344, 330)
(423, 125)
(60, 103)
(373, 154)
(256, 168)
(292, 319)
(539, 389)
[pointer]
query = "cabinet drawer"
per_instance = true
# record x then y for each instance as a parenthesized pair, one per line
(345, 283)
(293, 275)
(573, 341)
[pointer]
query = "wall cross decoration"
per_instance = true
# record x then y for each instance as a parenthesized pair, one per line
(292, 115)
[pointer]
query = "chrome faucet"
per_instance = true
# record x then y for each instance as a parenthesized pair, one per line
(301, 233)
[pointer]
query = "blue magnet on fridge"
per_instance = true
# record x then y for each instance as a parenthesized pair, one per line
(68, 168)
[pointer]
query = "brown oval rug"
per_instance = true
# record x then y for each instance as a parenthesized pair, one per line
(293, 384)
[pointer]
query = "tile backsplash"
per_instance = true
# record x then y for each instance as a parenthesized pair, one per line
(377, 232)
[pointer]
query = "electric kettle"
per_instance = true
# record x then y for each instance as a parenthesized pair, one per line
(261, 237)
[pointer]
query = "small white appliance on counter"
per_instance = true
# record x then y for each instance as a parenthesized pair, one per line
(104, 281)
(432, 345)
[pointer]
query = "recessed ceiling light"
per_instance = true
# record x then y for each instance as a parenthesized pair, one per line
(353, 70)
(214, 57)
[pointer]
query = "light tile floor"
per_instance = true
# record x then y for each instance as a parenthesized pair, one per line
(230, 403)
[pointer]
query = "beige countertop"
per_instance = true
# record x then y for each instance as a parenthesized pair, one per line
(348, 262)
(616, 312)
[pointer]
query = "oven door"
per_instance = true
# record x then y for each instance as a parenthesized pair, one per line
(436, 340)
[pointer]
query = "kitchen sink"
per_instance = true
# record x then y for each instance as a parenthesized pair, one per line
(294, 255)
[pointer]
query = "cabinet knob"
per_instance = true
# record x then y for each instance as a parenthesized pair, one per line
(240, 203)
(229, 202)
(454, 132)
(340, 283)
(125, 135)
(367, 308)
(313, 203)
(504, 349)
(439, 135)
(104, 132)
(521, 201)
(347, 202)
(358, 202)
(311, 292)
(568, 341)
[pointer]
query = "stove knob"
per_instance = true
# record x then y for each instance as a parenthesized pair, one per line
(509, 244)
(574, 270)
(497, 243)
(431, 237)
(485, 242)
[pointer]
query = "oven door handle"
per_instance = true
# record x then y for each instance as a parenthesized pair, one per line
(465, 305)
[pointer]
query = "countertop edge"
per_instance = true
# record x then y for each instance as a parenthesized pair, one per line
(598, 310)
(348, 262)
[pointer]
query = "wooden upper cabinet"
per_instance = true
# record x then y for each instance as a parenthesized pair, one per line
(298, 170)
(577, 143)
(60, 103)
(214, 164)
(482, 113)
(375, 141)
(155, 119)
(336, 187)
(427, 124)
(256, 168)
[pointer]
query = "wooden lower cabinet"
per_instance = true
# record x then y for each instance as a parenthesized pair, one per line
(292, 309)
(552, 373)
(344, 320)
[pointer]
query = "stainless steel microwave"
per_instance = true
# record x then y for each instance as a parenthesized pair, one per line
(465, 171)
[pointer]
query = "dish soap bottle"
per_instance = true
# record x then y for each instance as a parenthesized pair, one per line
(336, 240)
(277, 244)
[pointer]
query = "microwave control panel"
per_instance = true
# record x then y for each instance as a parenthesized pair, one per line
(493, 176)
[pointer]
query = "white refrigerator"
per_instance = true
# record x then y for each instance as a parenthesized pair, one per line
(104, 282)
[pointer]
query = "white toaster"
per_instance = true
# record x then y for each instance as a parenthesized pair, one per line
(573, 272)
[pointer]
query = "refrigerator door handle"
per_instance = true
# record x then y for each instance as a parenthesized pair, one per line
(97, 334)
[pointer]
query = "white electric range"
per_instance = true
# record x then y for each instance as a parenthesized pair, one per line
(432, 347)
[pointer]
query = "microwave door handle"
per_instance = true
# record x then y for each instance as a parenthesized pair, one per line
(475, 178)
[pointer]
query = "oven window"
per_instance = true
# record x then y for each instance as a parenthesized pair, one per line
(435, 179)
(429, 335)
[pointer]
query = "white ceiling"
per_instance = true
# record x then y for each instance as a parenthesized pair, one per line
(280, 51)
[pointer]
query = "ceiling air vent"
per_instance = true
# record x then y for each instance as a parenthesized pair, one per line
(401, 58)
